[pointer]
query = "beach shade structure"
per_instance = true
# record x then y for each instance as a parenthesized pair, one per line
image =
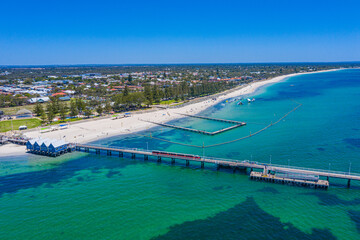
(24, 113)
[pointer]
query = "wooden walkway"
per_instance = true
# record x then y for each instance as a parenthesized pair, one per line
(214, 119)
(15, 140)
(195, 130)
(222, 163)
(324, 184)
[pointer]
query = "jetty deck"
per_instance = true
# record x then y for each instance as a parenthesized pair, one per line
(195, 130)
(214, 119)
(299, 182)
(222, 163)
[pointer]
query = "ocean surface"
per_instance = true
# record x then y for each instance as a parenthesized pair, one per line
(87, 196)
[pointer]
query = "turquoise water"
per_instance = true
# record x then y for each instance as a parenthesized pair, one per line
(86, 196)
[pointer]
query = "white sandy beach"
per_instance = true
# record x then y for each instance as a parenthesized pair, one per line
(87, 131)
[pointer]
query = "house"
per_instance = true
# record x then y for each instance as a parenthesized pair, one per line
(39, 100)
(59, 94)
(66, 98)
(30, 144)
(37, 144)
(57, 146)
(46, 146)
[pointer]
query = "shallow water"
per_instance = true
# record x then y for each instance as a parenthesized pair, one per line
(88, 196)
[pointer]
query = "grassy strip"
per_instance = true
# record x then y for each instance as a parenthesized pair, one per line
(30, 123)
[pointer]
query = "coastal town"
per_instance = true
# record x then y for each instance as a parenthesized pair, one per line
(180, 120)
(44, 96)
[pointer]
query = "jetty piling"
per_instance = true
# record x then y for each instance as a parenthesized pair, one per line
(236, 165)
(57, 148)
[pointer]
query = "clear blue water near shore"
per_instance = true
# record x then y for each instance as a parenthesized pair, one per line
(86, 196)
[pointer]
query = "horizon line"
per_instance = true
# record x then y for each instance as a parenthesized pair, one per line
(157, 64)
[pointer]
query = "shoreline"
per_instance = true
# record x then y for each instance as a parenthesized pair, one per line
(97, 129)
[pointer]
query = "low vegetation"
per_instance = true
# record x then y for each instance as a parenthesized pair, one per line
(9, 125)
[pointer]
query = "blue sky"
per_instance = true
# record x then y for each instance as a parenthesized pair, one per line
(135, 32)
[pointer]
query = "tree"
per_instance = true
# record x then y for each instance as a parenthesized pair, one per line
(43, 117)
(39, 110)
(28, 81)
(126, 91)
(130, 78)
(55, 106)
(80, 105)
(87, 112)
(50, 114)
(99, 110)
(107, 108)
(156, 95)
(73, 109)
(148, 95)
(62, 111)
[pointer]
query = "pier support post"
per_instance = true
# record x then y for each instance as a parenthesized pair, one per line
(108, 152)
(202, 164)
(187, 163)
(97, 151)
(133, 155)
(234, 169)
(146, 157)
(121, 154)
(173, 161)
(217, 167)
(159, 159)
(348, 184)
(327, 178)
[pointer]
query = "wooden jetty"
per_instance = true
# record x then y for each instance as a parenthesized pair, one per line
(324, 184)
(196, 130)
(219, 162)
(214, 119)
(15, 140)
(181, 128)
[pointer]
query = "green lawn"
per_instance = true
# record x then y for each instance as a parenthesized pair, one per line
(67, 121)
(30, 123)
(13, 110)
(168, 101)
(31, 107)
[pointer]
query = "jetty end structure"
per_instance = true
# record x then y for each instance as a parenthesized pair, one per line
(258, 171)
(48, 147)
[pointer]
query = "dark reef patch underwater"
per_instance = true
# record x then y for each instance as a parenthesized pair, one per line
(244, 221)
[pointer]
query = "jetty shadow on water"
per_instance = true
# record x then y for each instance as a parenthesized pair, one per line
(244, 221)
(15, 182)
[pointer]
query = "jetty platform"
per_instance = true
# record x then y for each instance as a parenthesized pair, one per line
(219, 162)
(214, 119)
(324, 184)
(195, 130)
(265, 174)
